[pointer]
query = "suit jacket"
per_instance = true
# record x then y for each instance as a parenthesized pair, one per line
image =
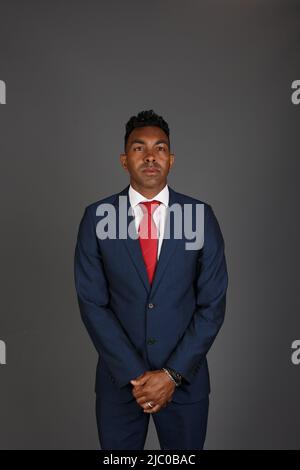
(136, 326)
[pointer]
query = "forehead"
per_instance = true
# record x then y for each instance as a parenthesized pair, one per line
(147, 133)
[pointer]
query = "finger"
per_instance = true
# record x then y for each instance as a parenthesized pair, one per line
(140, 381)
(142, 401)
(138, 378)
(155, 409)
(142, 397)
(146, 406)
(137, 389)
(144, 393)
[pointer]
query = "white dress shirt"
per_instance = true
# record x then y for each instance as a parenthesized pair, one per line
(159, 215)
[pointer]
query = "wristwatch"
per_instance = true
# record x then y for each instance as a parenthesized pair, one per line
(175, 376)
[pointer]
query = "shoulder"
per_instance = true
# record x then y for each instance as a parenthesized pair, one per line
(211, 224)
(89, 216)
(189, 200)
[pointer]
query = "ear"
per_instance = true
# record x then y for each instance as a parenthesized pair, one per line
(123, 160)
(172, 159)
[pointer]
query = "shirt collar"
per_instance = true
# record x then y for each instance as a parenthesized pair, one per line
(136, 198)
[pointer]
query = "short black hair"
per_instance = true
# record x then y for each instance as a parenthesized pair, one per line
(146, 118)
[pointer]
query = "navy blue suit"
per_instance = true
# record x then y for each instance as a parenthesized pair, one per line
(137, 327)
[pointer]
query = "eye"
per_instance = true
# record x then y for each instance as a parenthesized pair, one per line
(136, 148)
(161, 148)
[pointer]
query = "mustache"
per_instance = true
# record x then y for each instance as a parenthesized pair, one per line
(148, 167)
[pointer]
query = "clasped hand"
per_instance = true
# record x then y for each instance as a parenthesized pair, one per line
(153, 386)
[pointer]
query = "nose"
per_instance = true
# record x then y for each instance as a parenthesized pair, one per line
(149, 157)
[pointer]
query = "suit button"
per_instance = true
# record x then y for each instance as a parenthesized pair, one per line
(151, 341)
(150, 305)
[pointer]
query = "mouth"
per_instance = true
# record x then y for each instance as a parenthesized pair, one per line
(150, 171)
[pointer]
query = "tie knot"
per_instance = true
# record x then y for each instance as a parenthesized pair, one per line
(149, 206)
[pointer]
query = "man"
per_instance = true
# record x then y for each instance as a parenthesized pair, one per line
(152, 306)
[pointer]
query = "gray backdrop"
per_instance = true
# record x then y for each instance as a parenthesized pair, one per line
(220, 72)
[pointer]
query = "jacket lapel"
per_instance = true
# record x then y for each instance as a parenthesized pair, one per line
(134, 249)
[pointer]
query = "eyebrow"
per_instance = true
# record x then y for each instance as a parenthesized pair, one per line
(139, 141)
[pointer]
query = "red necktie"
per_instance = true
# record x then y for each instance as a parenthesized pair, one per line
(148, 237)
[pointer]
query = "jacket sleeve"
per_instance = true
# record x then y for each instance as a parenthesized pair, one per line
(104, 328)
(211, 286)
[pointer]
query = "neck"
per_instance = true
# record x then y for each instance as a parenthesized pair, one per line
(148, 193)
